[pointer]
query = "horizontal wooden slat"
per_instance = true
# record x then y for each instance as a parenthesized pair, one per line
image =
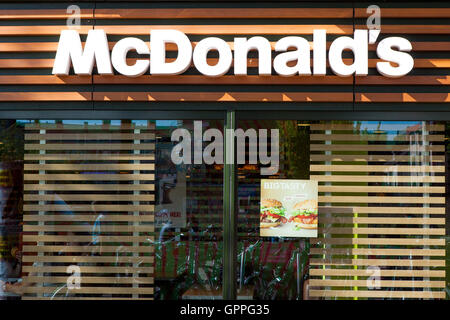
(430, 46)
(290, 29)
(90, 146)
(30, 47)
(91, 217)
(231, 79)
(387, 241)
(384, 178)
(40, 14)
(376, 168)
(383, 220)
(385, 231)
(365, 147)
(378, 294)
(379, 209)
(90, 187)
(90, 177)
(411, 29)
(420, 63)
(188, 29)
(383, 189)
(376, 137)
(25, 63)
(45, 79)
(402, 97)
(96, 207)
(90, 127)
(89, 197)
(225, 96)
(381, 283)
(371, 251)
(89, 249)
(194, 79)
(39, 30)
(182, 96)
(376, 157)
(45, 96)
(352, 126)
(383, 273)
(98, 239)
(90, 156)
(87, 279)
(89, 259)
(99, 290)
(248, 29)
(381, 199)
(223, 13)
(409, 80)
(90, 280)
(90, 136)
(89, 167)
(379, 262)
(90, 228)
(85, 269)
(406, 13)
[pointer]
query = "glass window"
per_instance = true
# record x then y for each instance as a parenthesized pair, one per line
(105, 209)
(98, 209)
(381, 213)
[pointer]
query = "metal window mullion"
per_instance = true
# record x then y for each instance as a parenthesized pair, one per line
(136, 213)
(229, 209)
(41, 213)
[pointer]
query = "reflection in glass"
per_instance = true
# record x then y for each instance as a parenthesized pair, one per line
(381, 213)
(96, 209)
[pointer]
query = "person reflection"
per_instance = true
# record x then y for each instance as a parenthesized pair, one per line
(68, 249)
(21, 287)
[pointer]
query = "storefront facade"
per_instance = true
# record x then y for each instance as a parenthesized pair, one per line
(94, 206)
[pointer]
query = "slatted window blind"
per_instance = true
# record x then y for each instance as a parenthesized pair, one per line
(88, 202)
(381, 210)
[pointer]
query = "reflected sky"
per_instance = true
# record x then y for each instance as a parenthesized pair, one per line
(389, 128)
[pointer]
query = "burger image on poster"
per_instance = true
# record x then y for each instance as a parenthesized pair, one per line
(304, 215)
(272, 213)
(289, 208)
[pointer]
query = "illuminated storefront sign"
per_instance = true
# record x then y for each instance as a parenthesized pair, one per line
(286, 63)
